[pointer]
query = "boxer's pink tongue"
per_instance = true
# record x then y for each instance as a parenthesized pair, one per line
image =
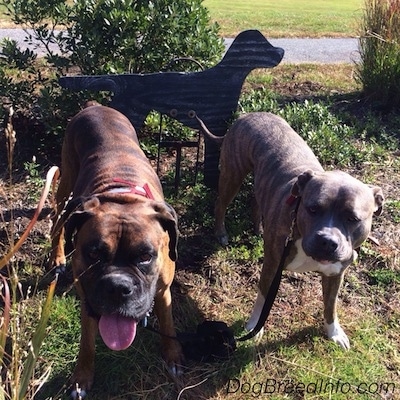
(117, 332)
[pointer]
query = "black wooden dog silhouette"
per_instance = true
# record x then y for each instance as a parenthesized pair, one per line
(212, 94)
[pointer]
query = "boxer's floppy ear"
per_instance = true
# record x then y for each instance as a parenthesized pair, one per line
(169, 221)
(379, 199)
(77, 213)
(301, 182)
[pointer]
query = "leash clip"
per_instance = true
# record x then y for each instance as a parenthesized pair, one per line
(290, 237)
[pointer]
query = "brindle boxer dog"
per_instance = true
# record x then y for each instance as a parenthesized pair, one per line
(122, 235)
(334, 214)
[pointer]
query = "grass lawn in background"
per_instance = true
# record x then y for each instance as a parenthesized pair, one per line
(287, 18)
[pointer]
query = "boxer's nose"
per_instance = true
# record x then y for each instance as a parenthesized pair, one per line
(116, 288)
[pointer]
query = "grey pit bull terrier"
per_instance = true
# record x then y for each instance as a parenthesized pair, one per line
(334, 214)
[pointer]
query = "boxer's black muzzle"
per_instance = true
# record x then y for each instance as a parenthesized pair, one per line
(121, 293)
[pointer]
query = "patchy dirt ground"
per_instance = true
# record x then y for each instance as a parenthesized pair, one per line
(30, 162)
(204, 277)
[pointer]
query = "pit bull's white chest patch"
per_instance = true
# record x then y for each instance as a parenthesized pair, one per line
(303, 263)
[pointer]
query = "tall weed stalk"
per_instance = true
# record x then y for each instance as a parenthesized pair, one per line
(379, 68)
(18, 356)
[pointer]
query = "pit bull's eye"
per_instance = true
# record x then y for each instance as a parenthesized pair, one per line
(312, 209)
(353, 218)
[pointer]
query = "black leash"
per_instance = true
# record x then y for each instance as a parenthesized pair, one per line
(214, 340)
(273, 290)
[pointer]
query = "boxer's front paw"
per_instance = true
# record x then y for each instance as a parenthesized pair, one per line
(335, 332)
(174, 359)
(78, 393)
(82, 381)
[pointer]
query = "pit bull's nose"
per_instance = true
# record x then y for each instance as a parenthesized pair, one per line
(326, 242)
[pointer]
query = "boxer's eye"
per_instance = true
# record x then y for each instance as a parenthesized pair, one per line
(94, 254)
(143, 262)
(144, 259)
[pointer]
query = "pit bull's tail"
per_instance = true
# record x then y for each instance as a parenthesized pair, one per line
(207, 134)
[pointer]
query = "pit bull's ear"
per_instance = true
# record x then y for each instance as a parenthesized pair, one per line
(301, 182)
(379, 199)
(169, 221)
(77, 212)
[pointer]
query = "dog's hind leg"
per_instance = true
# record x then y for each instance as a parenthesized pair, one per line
(229, 185)
(57, 257)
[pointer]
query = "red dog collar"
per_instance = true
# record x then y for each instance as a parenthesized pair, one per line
(291, 199)
(132, 188)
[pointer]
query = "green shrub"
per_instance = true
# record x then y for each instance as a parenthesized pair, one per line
(116, 36)
(94, 37)
(379, 67)
(334, 142)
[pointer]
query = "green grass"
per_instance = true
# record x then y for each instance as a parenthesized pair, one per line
(287, 18)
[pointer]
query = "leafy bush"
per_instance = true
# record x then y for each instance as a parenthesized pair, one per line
(379, 68)
(329, 138)
(115, 36)
(94, 37)
(334, 142)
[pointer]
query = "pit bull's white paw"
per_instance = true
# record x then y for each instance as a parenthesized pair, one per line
(335, 332)
(257, 338)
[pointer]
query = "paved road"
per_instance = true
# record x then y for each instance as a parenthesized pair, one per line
(324, 50)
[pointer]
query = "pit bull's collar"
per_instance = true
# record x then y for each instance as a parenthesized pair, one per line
(129, 187)
(291, 199)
